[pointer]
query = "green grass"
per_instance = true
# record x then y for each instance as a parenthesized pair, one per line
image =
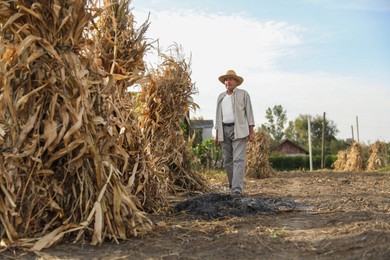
(384, 169)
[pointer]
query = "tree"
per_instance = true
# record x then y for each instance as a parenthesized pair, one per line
(291, 133)
(276, 120)
(297, 131)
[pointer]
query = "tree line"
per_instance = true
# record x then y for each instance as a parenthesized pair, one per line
(279, 128)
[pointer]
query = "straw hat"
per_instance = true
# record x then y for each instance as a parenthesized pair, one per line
(231, 74)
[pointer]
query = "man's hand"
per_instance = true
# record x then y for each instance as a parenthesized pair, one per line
(251, 136)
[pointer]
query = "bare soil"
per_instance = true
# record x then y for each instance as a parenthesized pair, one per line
(313, 216)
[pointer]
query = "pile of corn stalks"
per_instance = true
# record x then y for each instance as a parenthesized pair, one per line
(340, 163)
(258, 153)
(377, 157)
(166, 98)
(351, 160)
(76, 159)
(121, 51)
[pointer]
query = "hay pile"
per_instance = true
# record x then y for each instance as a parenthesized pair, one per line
(351, 160)
(354, 160)
(258, 152)
(340, 163)
(60, 166)
(121, 50)
(377, 157)
(166, 98)
(74, 160)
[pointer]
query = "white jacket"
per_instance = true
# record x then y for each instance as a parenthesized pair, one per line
(243, 114)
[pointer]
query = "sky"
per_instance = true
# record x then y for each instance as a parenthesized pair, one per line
(310, 56)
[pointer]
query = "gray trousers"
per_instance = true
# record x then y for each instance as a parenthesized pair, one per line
(234, 156)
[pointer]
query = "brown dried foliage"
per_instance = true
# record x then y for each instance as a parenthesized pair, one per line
(377, 157)
(340, 163)
(63, 153)
(77, 159)
(166, 100)
(351, 160)
(258, 153)
(121, 46)
(121, 49)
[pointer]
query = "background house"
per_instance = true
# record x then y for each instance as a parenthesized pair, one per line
(203, 129)
(287, 147)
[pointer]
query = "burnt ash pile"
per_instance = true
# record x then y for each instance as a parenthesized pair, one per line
(216, 206)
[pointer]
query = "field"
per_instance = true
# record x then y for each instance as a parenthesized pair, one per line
(316, 216)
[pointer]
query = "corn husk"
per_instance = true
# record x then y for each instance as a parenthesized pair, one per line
(355, 159)
(340, 163)
(258, 152)
(122, 48)
(65, 142)
(166, 100)
(377, 157)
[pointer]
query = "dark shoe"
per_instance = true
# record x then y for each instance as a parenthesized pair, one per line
(237, 194)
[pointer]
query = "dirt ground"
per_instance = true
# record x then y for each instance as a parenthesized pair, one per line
(340, 216)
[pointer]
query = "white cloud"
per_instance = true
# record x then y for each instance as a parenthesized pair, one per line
(223, 39)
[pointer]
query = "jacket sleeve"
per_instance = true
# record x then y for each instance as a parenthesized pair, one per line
(218, 119)
(249, 110)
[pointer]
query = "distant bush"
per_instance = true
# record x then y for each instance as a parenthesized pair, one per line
(300, 162)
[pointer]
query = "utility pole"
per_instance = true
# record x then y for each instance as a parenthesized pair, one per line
(357, 129)
(310, 154)
(323, 144)
(353, 138)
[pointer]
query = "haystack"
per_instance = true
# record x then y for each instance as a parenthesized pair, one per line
(121, 50)
(355, 158)
(166, 100)
(63, 154)
(377, 157)
(258, 153)
(340, 163)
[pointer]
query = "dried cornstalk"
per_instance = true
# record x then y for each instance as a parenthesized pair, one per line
(166, 100)
(121, 49)
(62, 157)
(355, 158)
(377, 157)
(340, 163)
(258, 152)
(121, 46)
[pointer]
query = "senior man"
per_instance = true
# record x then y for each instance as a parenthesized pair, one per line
(234, 127)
